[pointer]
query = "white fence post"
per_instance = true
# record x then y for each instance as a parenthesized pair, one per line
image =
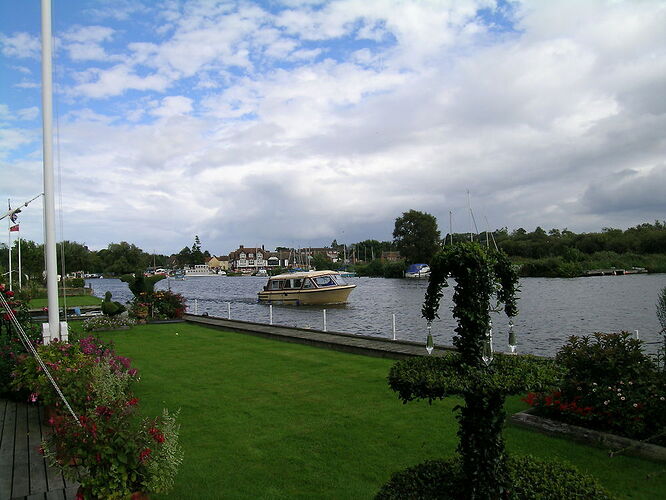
(228, 310)
(196, 307)
(270, 311)
(325, 320)
(393, 326)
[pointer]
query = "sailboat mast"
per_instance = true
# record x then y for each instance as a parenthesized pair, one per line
(49, 199)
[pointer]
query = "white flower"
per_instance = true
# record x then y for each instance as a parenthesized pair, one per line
(635, 405)
(606, 402)
(623, 398)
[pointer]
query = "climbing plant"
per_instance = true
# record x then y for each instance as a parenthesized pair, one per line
(485, 281)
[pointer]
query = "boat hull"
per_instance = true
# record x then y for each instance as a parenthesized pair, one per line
(317, 296)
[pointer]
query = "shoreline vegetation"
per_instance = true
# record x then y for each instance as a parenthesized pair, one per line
(556, 253)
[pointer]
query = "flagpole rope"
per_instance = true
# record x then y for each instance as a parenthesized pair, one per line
(23, 337)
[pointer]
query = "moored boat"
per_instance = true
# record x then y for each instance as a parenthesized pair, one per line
(418, 271)
(306, 288)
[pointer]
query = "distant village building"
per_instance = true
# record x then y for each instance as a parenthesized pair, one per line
(391, 256)
(248, 259)
(219, 263)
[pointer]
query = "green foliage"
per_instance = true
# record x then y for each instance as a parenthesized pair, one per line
(75, 282)
(430, 377)
(11, 347)
(480, 275)
(381, 269)
(530, 479)
(111, 308)
(416, 236)
(321, 263)
(168, 305)
(661, 309)
(609, 384)
(118, 451)
(140, 284)
(69, 367)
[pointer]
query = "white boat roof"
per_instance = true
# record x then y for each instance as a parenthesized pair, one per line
(303, 274)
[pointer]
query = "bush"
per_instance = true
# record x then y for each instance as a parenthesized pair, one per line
(75, 283)
(118, 451)
(530, 478)
(11, 347)
(610, 385)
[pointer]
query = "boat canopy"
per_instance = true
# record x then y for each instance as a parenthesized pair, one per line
(416, 268)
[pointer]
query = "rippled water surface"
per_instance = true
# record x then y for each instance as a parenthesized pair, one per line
(550, 309)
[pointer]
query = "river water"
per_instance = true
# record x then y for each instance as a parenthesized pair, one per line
(551, 309)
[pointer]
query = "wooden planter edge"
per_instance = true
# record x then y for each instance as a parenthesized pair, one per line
(612, 442)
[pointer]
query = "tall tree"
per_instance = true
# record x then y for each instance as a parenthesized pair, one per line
(416, 236)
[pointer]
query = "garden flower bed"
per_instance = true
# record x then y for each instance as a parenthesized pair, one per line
(615, 444)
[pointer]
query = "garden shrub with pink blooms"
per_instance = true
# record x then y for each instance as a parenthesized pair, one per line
(110, 449)
(611, 385)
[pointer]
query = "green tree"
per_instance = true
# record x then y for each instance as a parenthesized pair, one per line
(416, 236)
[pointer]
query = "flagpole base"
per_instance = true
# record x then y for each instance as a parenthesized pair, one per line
(47, 337)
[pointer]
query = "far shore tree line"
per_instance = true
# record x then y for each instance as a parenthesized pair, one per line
(544, 253)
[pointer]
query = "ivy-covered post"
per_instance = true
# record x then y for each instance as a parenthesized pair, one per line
(482, 275)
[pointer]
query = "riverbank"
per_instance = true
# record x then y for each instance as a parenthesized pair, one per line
(559, 267)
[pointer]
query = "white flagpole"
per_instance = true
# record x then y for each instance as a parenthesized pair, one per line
(49, 202)
(9, 233)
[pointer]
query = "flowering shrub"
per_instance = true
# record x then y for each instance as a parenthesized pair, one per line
(610, 385)
(76, 368)
(168, 305)
(117, 452)
(11, 347)
(99, 323)
(163, 304)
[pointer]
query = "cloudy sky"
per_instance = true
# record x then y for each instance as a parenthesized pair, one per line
(294, 122)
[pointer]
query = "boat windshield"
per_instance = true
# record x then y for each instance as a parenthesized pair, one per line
(329, 280)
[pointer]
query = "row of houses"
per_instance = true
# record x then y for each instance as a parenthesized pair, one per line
(251, 258)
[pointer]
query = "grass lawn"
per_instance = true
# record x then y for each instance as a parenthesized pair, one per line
(268, 419)
(76, 300)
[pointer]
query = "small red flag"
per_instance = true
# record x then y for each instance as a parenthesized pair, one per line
(14, 228)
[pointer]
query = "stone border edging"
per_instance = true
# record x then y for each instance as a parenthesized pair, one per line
(611, 442)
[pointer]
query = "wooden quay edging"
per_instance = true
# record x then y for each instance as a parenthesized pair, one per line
(345, 342)
(24, 474)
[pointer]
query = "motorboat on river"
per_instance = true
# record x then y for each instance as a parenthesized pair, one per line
(306, 288)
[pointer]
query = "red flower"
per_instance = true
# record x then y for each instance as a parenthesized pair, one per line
(132, 402)
(144, 455)
(9, 293)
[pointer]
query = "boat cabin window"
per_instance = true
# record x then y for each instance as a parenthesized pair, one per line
(293, 283)
(275, 285)
(307, 283)
(338, 279)
(324, 281)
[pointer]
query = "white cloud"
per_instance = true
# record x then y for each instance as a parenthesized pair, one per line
(21, 45)
(173, 106)
(260, 127)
